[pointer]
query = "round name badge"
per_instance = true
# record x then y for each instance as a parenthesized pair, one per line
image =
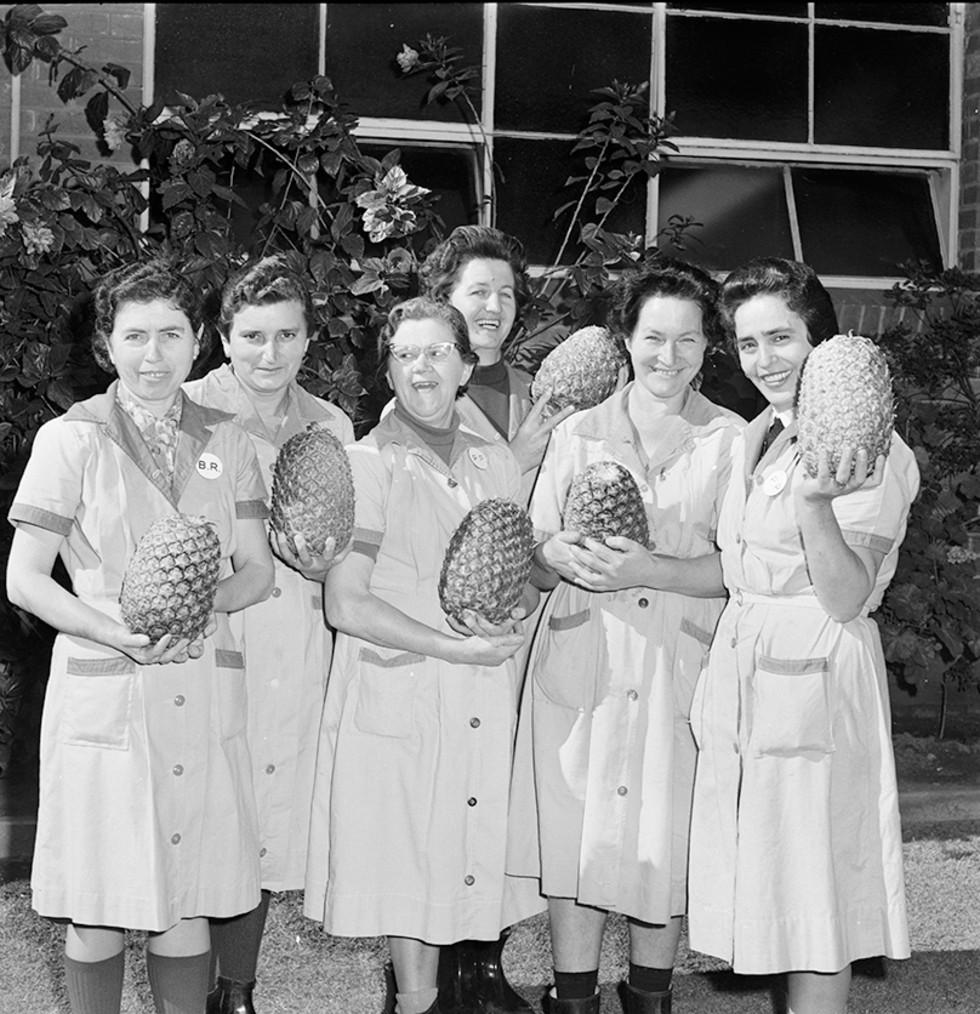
(775, 482)
(209, 466)
(478, 458)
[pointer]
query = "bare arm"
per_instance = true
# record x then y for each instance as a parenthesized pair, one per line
(353, 608)
(30, 586)
(254, 571)
(843, 576)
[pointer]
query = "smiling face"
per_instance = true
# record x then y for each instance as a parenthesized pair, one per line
(667, 346)
(424, 387)
(773, 343)
(266, 344)
(485, 294)
(152, 346)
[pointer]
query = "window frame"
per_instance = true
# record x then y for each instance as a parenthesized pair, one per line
(942, 166)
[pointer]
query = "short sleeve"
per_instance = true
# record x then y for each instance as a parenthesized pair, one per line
(875, 518)
(372, 483)
(50, 490)
(250, 491)
(552, 485)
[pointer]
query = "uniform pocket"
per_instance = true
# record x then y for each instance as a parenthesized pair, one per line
(790, 707)
(98, 702)
(386, 693)
(564, 668)
(232, 696)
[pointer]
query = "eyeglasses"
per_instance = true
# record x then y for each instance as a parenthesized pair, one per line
(436, 353)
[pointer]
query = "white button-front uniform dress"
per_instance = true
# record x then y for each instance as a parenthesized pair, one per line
(146, 811)
(413, 774)
(287, 648)
(796, 852)
(612, 673)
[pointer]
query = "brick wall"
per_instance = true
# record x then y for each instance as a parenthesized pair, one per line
(969, 207)
(110, 33)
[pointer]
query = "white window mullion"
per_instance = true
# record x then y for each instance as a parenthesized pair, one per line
(658, 105)
(794, 222)
(488, 208)
(811, 30)
(321, 52)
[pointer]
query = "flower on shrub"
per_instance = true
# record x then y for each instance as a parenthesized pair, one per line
(8, 209)
(960, 554)
(38, 239)
(408, 58)
(387, 211)
(182, 156)
(114, 131)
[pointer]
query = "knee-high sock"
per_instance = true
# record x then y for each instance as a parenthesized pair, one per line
(235, 942)
(179, 985)
(95, 987)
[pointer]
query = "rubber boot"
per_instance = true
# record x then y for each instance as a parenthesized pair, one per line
(236, 997)
(552, 1005)
(483, 986)
(638, 1001)
(213, 1005)
(452, 995)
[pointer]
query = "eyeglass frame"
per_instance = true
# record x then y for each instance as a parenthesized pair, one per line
(418, 351)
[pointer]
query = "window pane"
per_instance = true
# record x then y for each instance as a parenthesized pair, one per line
(893, 14)
(450, 173)
(788, 10)
(533, 187)
(741, 79)
(881, 88)
(363, 40)
(275, 45)
(864, 223)
(542, 85)
(743, 211)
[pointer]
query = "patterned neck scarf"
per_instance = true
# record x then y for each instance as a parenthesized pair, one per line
(159, 432)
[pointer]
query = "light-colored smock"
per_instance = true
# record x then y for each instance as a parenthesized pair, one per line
(612, 673)
(796, 851)
(287, 648)
(411, 798)
(146, 812)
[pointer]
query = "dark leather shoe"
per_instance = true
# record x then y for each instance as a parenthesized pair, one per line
(235, 998)
(639, 1001)
(213, 1005)
(552, 1005)
(483, 985)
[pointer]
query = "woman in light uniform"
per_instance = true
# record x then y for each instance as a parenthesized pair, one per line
(413, 779)
(796, 860)
(620, 646)
(147, 816)
(266, 325)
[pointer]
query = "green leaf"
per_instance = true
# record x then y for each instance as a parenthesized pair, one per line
(119, 73)
(96, 110)
(48, 24)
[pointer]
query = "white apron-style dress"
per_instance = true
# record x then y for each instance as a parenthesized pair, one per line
(146, 812)
(287, 648)
(612, 673)
(413, 773)
(796, 851)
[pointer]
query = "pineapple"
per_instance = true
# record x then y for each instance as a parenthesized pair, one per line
(605, 500)
(582, 371)
(313, 490)
(845, 399)
(171, 579)
(488, 561)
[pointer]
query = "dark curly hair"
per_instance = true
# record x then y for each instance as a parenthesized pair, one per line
(795, 282)
(269, 280)
(441, 270)
(664, 276)
(143, 283)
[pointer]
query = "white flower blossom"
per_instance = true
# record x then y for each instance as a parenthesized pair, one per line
(408, 58)
(8, 207)
(114, 131)
(960, 554)
(37, 239)
(386, 211)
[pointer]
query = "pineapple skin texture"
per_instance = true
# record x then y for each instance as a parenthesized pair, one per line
(313, 490)
(845, 399)
(171, 579)
(488, 561)
(582, 371)
(604, 500)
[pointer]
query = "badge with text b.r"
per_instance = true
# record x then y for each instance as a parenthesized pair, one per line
(209, 466)
(478, 458)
